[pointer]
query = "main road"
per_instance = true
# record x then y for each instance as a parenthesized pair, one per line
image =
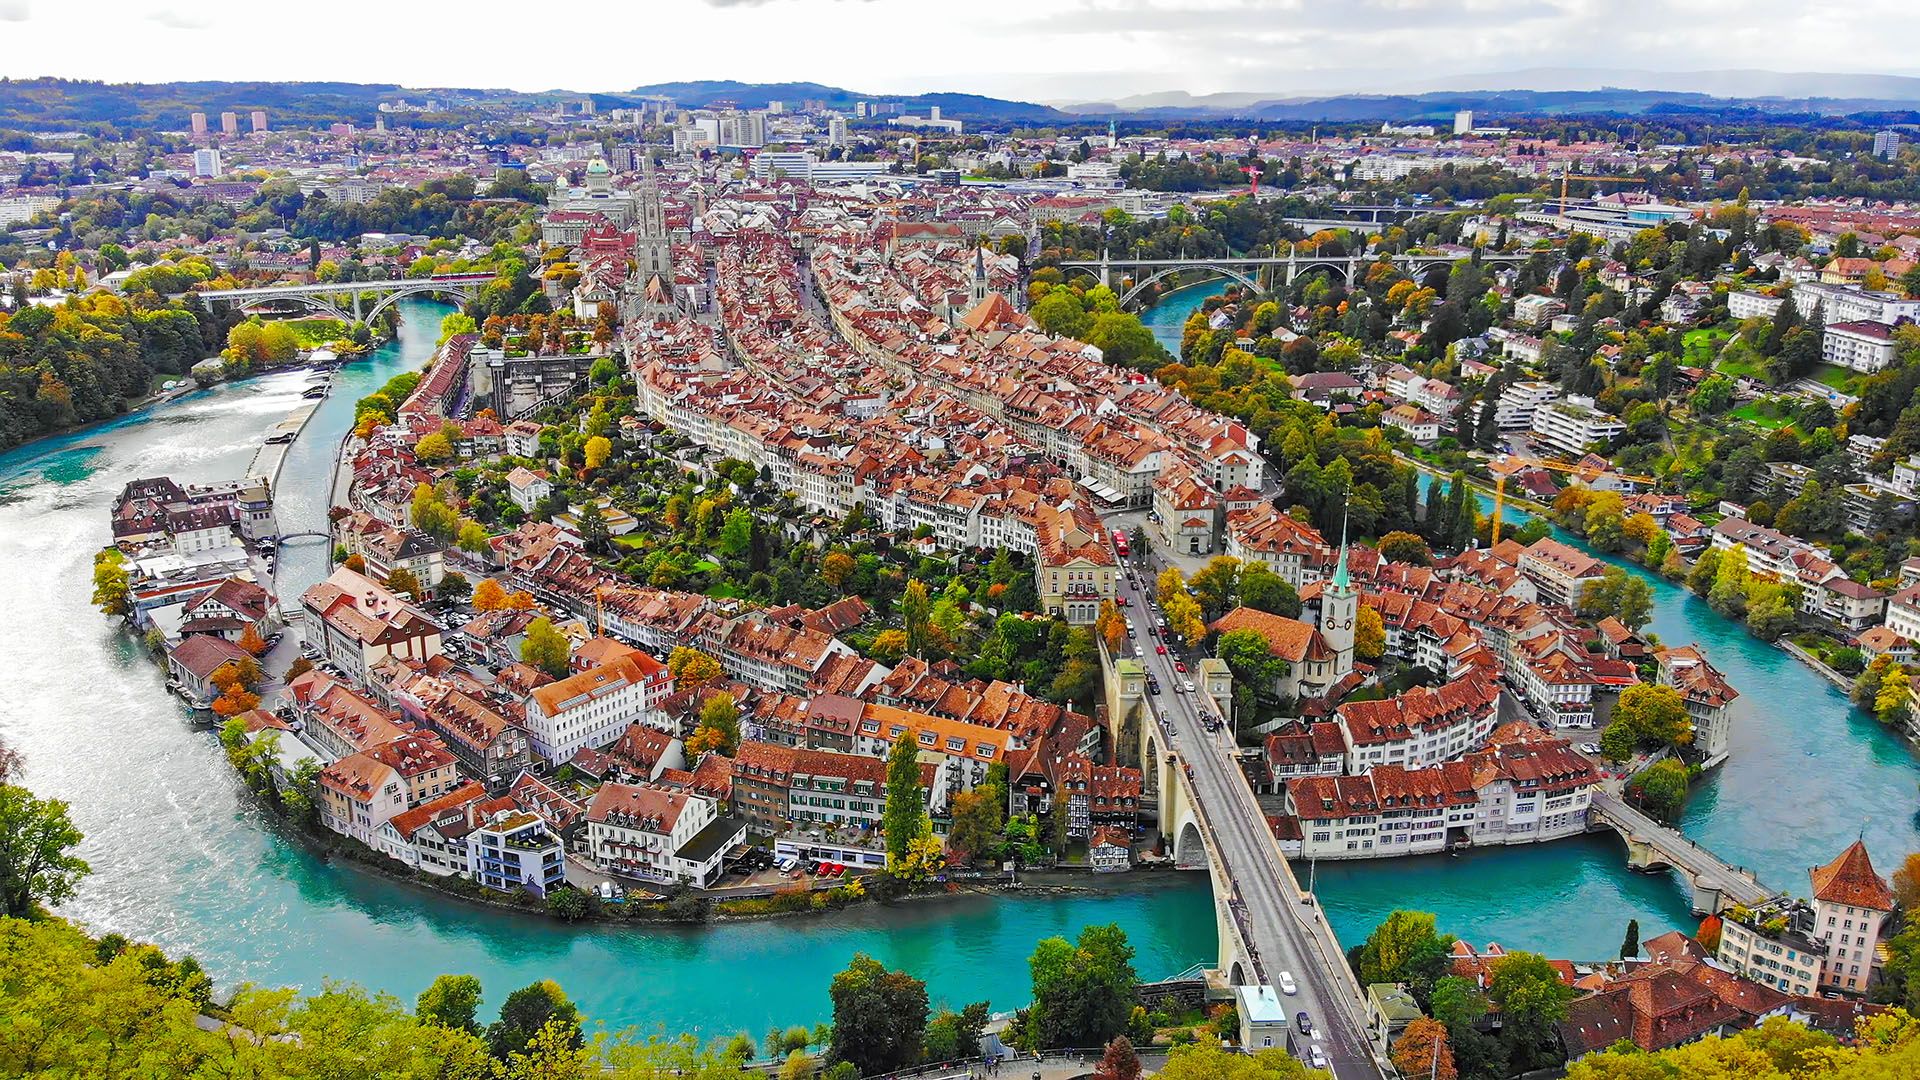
(1281, 926)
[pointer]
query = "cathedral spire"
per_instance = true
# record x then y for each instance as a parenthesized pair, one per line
(1340, 580)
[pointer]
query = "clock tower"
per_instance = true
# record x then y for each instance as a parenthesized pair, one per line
(1339, 610)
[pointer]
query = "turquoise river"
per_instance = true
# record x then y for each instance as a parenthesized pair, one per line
(182, 858)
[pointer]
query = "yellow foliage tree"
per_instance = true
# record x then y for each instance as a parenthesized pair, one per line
(489, 595)
(691, 668)
(597, 450)
(1369, 634)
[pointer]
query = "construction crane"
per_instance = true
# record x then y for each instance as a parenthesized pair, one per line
(1500, 480)
(1253, 173)
(1623, 181)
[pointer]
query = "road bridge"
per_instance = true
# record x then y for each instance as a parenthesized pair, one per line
(1715, 883)
(311, 534)
(1246, 269)
(1207, 812)
(327, 297)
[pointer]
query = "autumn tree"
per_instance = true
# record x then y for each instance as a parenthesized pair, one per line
(111, 583)
(1119, 1062)
(719, 727)
(252, 642)
(489, 595)
(596, 451)
(836, 568)
(1369, 634)
(1906, 883)
(889, 646)
(1111, 626)
(1405, 547)
(1422, 1050)
(691, 668)
(403, 580)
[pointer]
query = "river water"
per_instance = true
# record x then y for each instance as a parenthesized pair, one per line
(181, 858)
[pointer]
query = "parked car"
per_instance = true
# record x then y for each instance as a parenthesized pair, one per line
(1161, 649)
(1316, 1057)
(1180, 666)
(1189, 685)
(1590, 748)
(1303, 1022)
(1287, 985)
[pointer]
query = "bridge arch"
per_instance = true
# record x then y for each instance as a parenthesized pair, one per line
(1190, 849)
(1343, 267)
(1140, 286)
(314, 303)
(1237, 976)
(463, 292)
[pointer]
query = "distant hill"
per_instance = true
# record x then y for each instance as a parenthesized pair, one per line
(756, 96)
(1487, 105)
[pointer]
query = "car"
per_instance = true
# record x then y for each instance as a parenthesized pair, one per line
(1179, 688)
(1188, 685)
(1130, 632)
(1124, 602)
(1316, 1057)
(1180, 666)
(1161, 649)
(1153, 688)
(1589, 748)
(1303, 1022)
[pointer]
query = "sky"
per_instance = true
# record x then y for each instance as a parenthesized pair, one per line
(1052, 50)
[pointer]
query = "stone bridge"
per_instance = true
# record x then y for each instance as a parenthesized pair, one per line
(1716, 884)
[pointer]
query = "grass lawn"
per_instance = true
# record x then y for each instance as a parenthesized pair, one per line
(1835, 376)
(1742, 368)
(706, 566)
(632, 540)
(1699, 347)
(314, 333)
(725, 591)
(1750, 412)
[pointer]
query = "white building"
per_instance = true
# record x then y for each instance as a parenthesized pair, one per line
(1574, 424)
(591, 709)
(1752, 305)
(206, 162)
(661, 835)
(1861, 346)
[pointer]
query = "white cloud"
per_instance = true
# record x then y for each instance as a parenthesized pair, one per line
(1068, 49)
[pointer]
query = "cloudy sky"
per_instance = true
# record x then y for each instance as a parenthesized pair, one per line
(1053, 50)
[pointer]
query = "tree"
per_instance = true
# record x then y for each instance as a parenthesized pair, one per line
(1216, 585)
(554, 1053)
(546, 648)
(37, 867)
(1654, 715)
(453, 586)
(1209, 1061)
(1630, 945)
(954, 1036)
(1405, 547)
(836, 568)
(889, 646)
(1264, 590)
(528, 1010)
(1111, 626)
(736, 536)
(1423, 1050)
(1635, 607)
(1891, 704)
(1369, 634)
(915, 608)
(976, 819)
(111, 583)
(1120, 1062)
(1530, 996)
(252, 642)
(904, 818)
(1661, 788)
(879, 1017)
(1906, 883)
(402, 580)
(1457, 1002)
(1083, 991)
(433, 448)
(596, 451)
(719, 727)
(489, 595)
(451, 1001)
(691, 668)
(1404, 948)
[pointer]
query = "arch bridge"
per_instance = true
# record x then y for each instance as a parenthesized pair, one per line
(327, 298)
(1247, 269)
(1715, 883)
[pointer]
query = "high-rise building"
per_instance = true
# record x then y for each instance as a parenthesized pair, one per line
(1463, 121)
(859, 109)
(837, 130)
(229, 123)
(586, 107)
(206, 162)
(775, 108)
(1886, 144)
(259, 121)
(199, 121)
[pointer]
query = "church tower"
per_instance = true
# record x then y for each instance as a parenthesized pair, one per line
(979, 276)
(1339, 611)
(651, 286)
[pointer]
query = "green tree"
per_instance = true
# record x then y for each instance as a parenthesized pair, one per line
(1083, 991)
(915, 612)
(1661, 788)
(1404, 948)
(546, 648)
(1209, 1061)
(1532, 999)
(1264, 590)
(528, 1010)
(1655, 715)
(879, 1017)
(976, 820)
(904, 820)
(719, 727)
(37, 864)
(452, 1002)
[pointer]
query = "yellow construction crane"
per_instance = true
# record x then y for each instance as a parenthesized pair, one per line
(1500, 480)
(1623, 181)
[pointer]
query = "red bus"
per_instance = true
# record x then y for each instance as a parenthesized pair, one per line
(1120, 542)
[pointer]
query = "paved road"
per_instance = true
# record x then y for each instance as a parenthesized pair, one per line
(1737, 885)
(1279, 925)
